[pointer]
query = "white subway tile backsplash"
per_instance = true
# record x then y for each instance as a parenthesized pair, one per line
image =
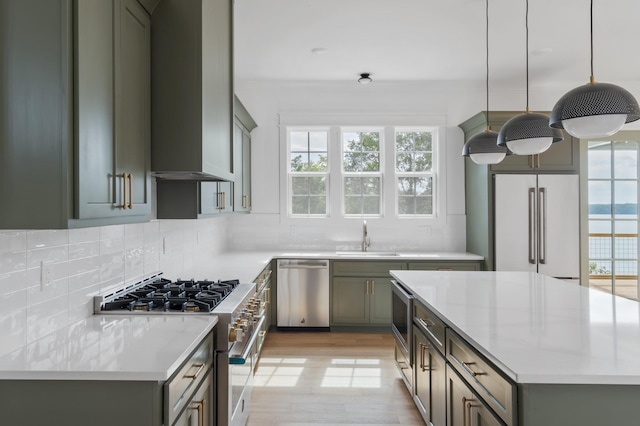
(87, 262)
(13, 262)
(12, 241)
(47, 238)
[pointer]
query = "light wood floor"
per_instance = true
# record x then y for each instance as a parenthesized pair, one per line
(329, 378)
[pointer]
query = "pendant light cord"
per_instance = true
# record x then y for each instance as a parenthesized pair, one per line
(591, 78)
(487, 57)
(526, 25)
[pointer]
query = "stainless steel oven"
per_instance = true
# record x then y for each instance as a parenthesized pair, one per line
(402, 308)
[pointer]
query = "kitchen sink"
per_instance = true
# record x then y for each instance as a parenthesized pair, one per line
(366, 253)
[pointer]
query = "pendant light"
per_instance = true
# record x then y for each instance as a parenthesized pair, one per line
(482, 148)
(528, 133)
(594, 110)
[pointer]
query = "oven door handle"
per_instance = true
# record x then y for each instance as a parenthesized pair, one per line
(242, 359)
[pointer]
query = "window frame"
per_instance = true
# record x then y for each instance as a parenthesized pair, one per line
(388, 122)
(435, 141)
(291, 174)
(360, 174)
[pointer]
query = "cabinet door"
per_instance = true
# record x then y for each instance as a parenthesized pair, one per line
(464, 408)
(350, 301)
(225, 189)
(132, 31)
(379, 300)
(210, 198)
(200, 409)
(430, 380)
(98, 188)
(112, 109)
(422, 381)
(246, 172)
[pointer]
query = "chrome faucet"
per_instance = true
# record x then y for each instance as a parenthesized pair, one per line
(365, 239)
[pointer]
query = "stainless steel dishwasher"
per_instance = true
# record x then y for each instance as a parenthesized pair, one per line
(303, 293)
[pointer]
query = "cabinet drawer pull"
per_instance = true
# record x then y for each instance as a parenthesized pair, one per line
(130, 204)
(195, 376)
(467, 405)
(124, 191)
(467, 367)
(199, 407)
(366, 287)
(373, 287)
(426, 322)
(423, 357)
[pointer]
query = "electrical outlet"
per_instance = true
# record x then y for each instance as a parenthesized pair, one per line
(46, 274)
(292, 230)
(424, 230)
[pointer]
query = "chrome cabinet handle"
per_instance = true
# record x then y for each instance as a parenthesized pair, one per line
(467, 366)
(542, 225)
(532, 202)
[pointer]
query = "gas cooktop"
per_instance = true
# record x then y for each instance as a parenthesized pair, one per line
(163, 295)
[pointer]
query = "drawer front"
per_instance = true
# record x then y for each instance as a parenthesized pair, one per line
(182, 385)
(445, 266)
(432, 327)
(363, 268)
(497, 391)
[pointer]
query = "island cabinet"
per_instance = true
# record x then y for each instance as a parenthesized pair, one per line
(453, 265)
(361, 292)
(430, 381)
(75, 121)
(192, 85)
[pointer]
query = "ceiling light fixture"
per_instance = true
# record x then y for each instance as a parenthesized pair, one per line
(528, 133)
(365, 78)
(595, 109)
(482, 148)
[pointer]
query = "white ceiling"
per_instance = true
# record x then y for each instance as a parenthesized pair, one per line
(406, 40)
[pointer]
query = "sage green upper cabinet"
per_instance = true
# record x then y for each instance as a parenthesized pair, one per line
(112, 109)
(561, 156)
(68, 67)
(185, 199)
(244, 124)
(192, 86)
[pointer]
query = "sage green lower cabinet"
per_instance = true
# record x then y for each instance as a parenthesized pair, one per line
(361, 292)
(464, 407)
(361, 301)
(430, 380)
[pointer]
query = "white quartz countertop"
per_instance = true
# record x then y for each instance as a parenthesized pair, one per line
(111, 347)
(537, 329)
(246, 265)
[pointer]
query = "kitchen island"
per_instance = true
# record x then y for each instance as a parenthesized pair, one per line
(536, 350)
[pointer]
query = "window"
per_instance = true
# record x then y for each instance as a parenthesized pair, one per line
(361, 172)
(345, 167)
(308, 172)
(613, 193)
(414, 172)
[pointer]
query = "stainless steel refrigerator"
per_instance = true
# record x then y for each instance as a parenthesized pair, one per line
(537, 224)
